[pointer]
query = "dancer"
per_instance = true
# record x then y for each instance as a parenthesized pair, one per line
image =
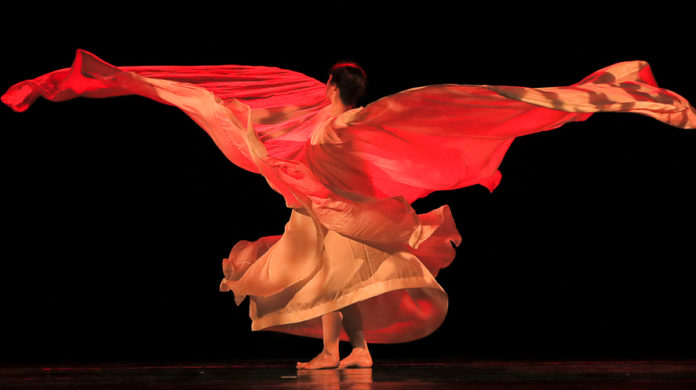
(355, 261)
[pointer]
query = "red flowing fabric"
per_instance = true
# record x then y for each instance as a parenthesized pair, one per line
(353, 236)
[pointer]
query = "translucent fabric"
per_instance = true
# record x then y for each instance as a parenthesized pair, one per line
(353, 236)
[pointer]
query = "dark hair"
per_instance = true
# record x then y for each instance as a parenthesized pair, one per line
(350, 79)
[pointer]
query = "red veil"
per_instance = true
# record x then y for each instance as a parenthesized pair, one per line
(356, 175)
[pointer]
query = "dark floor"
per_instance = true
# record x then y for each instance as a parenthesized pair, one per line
(662, 375)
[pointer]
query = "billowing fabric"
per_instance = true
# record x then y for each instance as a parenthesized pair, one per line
(353, 236)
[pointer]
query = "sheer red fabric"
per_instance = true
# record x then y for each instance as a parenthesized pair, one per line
(351, 179)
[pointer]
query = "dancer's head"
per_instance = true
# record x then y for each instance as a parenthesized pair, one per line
(350, 80)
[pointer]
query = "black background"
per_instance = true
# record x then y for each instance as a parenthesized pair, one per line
(118, 212)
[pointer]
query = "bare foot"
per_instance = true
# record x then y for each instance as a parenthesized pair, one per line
(323, 360)
(359, 357)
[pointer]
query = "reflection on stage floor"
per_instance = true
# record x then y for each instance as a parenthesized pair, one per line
(402, 374)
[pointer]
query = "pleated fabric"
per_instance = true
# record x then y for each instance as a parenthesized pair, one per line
(353, 237)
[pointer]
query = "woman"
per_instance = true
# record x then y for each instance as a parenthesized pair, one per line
(355, 261)
(331, 276)
(346, 85)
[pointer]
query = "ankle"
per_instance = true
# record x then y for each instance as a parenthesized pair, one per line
(362, 346)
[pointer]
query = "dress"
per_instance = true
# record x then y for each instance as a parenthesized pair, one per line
(353, 236)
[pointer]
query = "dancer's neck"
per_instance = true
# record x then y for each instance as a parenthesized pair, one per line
(338, 108)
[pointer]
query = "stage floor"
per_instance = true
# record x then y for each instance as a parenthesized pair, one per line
(404, 374)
